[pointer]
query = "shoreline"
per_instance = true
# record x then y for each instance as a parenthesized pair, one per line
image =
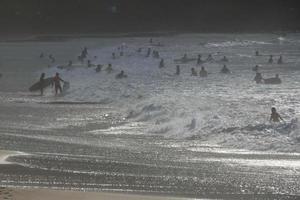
(49, 194)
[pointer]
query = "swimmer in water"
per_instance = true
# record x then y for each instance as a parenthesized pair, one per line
(270, 59)
(193, 72)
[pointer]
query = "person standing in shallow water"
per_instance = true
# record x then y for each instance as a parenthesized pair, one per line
(203, 72)
(161, 63)
(258, 78)
(177, 70)
(57, 84)
(193, 72)
(275, 117)
(270, 61)
(199, 60)
(280, 61)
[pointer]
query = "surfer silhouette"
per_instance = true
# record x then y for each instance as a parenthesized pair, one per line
(177, 70)
(42, 81)
(192, 125)
(275, 117)
(57, 84)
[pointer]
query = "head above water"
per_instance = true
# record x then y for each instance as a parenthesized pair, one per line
(273, 109)
(57, 74)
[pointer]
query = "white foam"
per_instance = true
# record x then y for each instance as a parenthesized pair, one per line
(6, 154)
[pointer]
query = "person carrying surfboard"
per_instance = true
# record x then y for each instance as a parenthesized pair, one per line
(42, 81)
(275, 117)
(57, 85)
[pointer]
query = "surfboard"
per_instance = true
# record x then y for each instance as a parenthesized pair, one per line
(37, 86)
(272, 81)
(184, 60)
(66, 86)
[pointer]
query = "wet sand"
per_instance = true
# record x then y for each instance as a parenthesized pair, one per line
(48, 194)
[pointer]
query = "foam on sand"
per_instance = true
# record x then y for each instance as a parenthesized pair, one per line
(5, 154)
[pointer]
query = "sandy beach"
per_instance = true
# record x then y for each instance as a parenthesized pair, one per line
(48, 194)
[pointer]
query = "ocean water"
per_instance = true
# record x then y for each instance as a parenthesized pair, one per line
(131, 134)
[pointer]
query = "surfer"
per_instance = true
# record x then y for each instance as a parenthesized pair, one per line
(275, 117)
(70, 63)
(203, 72)
(113, 55)
(98, 68)
(270, 59)
(258, 78)
(224, 59)
(255, 68)
(184, 57)
(109, 68)
(42, 82)
(209, 58)
(225, 70)
(161, 63)
(177, 70)
(155, 54)
(89, 64)
(80, 58)
(148, 52)
(85, 51)
(57, 84)
(257, 53)
(121, 75)
(199, 60)
(192, 125)
(51, 58)
(193, 72)
(280, 61)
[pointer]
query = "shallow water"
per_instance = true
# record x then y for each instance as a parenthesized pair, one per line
(131, 134)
